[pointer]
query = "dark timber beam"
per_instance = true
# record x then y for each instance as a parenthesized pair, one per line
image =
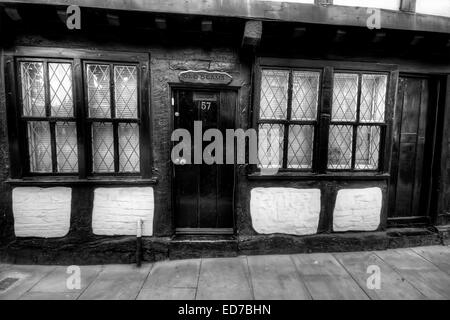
(252, 34)
(267, 10)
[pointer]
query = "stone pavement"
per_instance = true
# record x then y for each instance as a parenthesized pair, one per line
(414, 273)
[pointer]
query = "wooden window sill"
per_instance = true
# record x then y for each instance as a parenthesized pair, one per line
(317, 176)
(67, 181)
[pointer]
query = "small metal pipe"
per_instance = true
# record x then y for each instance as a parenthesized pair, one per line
(139, 243)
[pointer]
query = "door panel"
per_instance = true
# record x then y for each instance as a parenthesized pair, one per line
(203, 194)
(411, 163)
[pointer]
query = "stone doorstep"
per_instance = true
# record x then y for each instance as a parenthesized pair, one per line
(444, 233)
(122, 249)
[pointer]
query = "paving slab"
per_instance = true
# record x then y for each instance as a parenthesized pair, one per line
(50, 296)
(392, 285)
(28, 275)
(224, 279)
(56, 281)
(422, 274)
(437, 255)
(173, 274)
(275, 277)
(167, 294)
(326, 279)
(117, 282)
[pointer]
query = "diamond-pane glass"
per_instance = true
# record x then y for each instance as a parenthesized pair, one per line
(125, 88)
(99, 97)
(367, 147)
(373, 97)
(33, 93)
(305, 95)
(345, 97)
(39, 146)
(66, 146)
(274, 94)
(60, 78)
(340, 147)
(103, 147)
(129, 147)
(270, 145)
(300, 147)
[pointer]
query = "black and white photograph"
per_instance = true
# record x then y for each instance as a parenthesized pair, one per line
(224, 157)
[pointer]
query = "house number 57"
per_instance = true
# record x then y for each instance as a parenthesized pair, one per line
(206, 105)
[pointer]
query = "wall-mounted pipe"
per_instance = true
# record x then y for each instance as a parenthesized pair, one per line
(139, 242)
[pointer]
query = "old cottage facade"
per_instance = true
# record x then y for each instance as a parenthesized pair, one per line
(350, 105)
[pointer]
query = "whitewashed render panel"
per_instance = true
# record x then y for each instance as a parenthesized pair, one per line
(117, 210)
(41, 212)
(382, 4)
(285, 210)
(296, 1)
(433, 7)
(357, 209)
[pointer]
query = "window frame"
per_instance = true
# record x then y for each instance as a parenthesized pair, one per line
(47, 118)
(355, 124)
(89, 121)
(324, 111)
(19, 157)
(287, 122)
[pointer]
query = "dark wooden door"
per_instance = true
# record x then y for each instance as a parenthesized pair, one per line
(412, 150)
(203, 193)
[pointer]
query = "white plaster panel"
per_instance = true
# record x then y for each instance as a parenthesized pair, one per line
(433, 7)
(285, 210)
(357, 209)
(41, 212)
(382, 4)
(117, 210)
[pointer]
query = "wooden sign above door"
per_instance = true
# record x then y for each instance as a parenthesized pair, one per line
(206, 77)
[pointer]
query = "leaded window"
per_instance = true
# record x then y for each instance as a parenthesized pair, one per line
(287, 118)
(113, 113)
(48, 112)
(357, 120)
(305, 122)
(98, 132)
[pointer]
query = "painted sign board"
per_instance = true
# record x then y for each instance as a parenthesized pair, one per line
(205, 77)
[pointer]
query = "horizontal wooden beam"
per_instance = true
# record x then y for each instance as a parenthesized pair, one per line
(267, 10)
